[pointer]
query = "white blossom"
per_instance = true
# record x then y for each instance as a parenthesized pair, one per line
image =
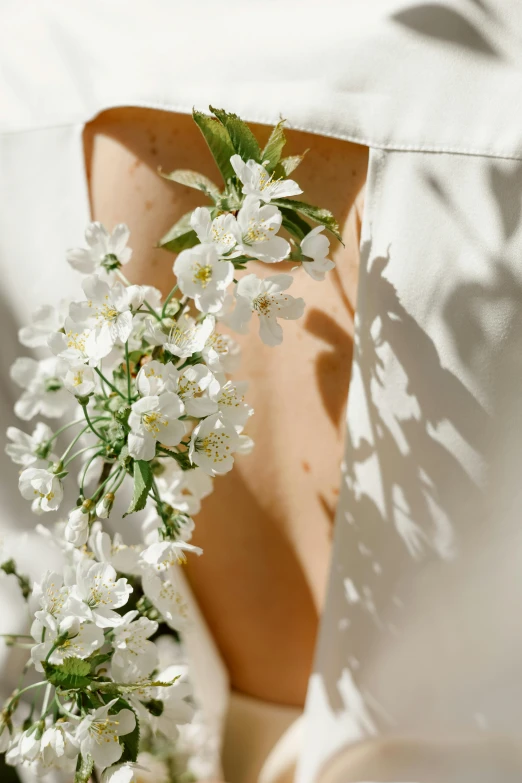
(44, 392)
(168, 599)
(164, 554)
(222, 232)
(155, 378)
(80, 381)
(58, 746)
(77, 528)
(258, 182)
(123, 557)
(188, 337)
(212, 444)
(198, 388)
(107, 312)
(258, 226)
(315, 247)
(76, 640)
(221, 353)
(185, 489)
(76, 344)
(152, 420)
(130, 773)
(133, 650)
(26, 449)
(203, 276)
(269, 300)
(231, 403)
(104, 250)
(99, 732)
(44, 321)
(101, 593)
(42, 487)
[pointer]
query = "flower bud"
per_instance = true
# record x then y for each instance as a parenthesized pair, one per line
(104, 507)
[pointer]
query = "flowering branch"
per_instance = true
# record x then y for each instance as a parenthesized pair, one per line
(161, 419)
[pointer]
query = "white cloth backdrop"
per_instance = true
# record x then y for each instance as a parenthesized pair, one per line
(421, 638)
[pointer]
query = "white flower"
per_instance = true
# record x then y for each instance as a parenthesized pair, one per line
(315, 247)
(203, 276)
(155, 378)
(176, 710)
(77, 528)
(231, 404)
(24, 747)
(45, 320)
(79, 640)
(259, 226)
(258, 182)
(80, 381)
(58, 746)
(26, 449)
(166, 596)
(129, 773)
(75, 345)
(198, 388)
(152, 420)
(125, 559)
(222, 232)
(104, 250)
(184, 489)
(42, 487)
(212, 443)
(51, 597)
(99, 732)
(221, 353)
(44, 392)
(267, 299)
(188, 337)
(133, 650)
(97, 586)
(107, 311)
(164, 554)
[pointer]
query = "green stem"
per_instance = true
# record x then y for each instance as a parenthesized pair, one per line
(64, 710)
(167, 300)
(46, 699)
(81, 451)
(109, 383)
(90, 424)
(65, 427)
(86, 468)
(111, 475)
(72, 443)
(128, 371)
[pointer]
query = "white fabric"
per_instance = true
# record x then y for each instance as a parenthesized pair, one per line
(421, 635)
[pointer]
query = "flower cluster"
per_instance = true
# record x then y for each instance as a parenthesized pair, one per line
(152, 417)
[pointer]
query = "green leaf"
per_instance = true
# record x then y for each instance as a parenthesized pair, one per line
(274, 147)
(242, 138)
(192, 179)
(180, 237)
(218, 140)
(142, 485)
(322, 216)
(84, 768)
(294, 224)
(72, 673)
(287, 165)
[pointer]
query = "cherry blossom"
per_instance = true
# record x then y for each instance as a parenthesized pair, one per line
(258, 182)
